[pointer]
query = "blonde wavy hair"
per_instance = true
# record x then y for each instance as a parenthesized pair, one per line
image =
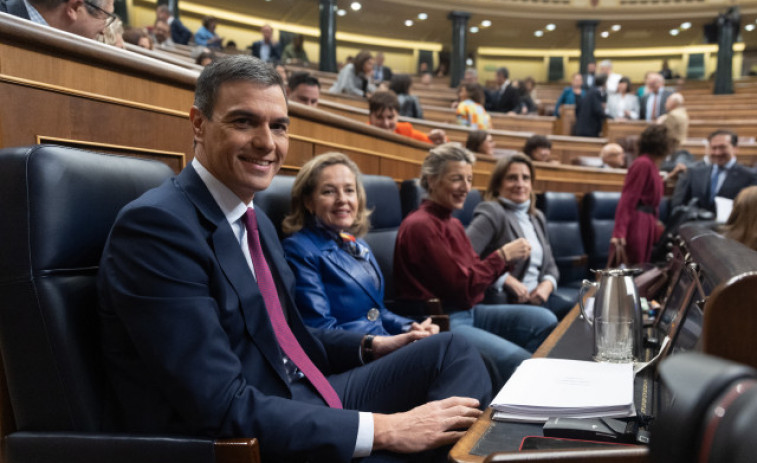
(304, 186)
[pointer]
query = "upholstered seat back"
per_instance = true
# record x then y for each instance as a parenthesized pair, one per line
(598, 221)
(276, 200)
(58, 206)
(383, 198)
(564, 230)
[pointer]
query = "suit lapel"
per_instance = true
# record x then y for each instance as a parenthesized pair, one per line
(234, 266)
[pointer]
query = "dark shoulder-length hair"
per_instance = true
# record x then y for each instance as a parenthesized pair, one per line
(304, 186)
(360, 61)
(475, 139)
(499, 173)
(654, 141)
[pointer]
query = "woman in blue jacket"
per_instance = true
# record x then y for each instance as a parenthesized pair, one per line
(339, 283)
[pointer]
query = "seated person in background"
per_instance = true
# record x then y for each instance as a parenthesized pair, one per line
(339, 283)
(383, 108)
(570, 93)
(86, 18)
(510, 213)
(409, 105)
(433, 258)
(138, 36)
(539, 148)
(612, 156)
(179, 32)
(742, 223)
(162, 35)
(356, 78)
(200, 333)
(113, 34)
(722, 177)
(206, 35)
(623, 104)
(205, 58)
(265, 48)
(294, 53)
(505, 98)
(427, 80)
(304, 88)
(527, 104)
(480, 141)
(636, 225)
(676, 119)
(470, 111)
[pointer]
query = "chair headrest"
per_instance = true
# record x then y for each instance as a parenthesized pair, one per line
(383, 197)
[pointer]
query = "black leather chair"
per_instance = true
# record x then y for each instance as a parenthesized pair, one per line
(276, 200)
(58, 206)
(564, 229)
(597, 222)
(411, 195)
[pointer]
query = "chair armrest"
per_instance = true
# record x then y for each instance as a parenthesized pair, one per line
(74, 447)
(574, 261)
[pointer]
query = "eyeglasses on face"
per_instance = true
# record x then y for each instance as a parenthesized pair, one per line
(109, 17)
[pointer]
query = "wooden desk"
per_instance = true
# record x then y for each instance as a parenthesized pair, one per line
(473, 449)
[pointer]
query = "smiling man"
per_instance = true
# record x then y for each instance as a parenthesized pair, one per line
(200, 332)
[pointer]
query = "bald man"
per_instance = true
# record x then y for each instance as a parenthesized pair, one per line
(612, 155)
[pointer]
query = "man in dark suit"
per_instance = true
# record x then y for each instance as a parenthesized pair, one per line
(506, 97)
(721, 177)
(199, 328)
(88, 19)
(266, 49)
(381, 73)
(589, 77)
(179, 32)
(590, 110)
(653, 102)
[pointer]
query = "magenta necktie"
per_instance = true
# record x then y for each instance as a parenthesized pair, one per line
(284, 335)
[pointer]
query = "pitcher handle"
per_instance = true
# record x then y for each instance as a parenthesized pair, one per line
(584, 286)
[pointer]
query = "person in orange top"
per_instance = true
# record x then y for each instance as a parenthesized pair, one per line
(384, 109)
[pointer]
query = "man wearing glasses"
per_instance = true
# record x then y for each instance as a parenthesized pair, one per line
(88, 18)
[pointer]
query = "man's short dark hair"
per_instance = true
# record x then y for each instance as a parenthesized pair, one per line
(734, 137)
(534, 142)
(600, 80)
(232, 68)
(382, 100)
(302, 77)
(400, 83)
(504, 72)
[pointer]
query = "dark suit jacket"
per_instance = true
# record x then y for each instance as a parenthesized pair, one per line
(275, 55)
(664, 94)
(590, 114)
(386, 75)
(586, 85)
(695, 183)
(14, 7)
(334, 290)
(180, 33)
(508, 101)
(494, 225)
(188, 344)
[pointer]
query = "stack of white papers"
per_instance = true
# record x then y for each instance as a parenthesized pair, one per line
(542, 388)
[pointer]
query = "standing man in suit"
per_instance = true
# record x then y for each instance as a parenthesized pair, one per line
(88, 19)
(266, 49)
(506, 97)
(590, 110)
(199, 329)
(381, 73)
(179, 32)
(653, 102)
(591, 68)
(722, 177)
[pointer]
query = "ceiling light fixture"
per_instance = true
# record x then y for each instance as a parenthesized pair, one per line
(355, 6)
(604, 34)
(550, 27)
(422, 16)
(686, 26)
(674, 32)
(615, 27)
(474, 30)
(749, 27)
(538, 33)
(341, 12)
(486, 23)
(408, 22)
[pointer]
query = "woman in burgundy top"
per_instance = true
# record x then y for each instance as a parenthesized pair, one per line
(433, 258)
(638, 208)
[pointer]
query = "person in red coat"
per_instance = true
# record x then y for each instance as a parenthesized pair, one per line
(638, 209)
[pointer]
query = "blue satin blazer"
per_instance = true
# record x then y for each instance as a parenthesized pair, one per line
(334, 290)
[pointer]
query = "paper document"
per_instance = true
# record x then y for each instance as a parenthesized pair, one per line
(542, 388)
(723, 206)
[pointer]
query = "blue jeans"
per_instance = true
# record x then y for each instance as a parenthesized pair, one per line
(505, 334)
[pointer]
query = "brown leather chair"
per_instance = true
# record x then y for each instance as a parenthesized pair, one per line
(58, 206)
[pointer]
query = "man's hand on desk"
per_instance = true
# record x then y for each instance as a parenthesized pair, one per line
(428, 426)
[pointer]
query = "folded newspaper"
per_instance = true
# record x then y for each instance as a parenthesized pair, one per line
(542, 388)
